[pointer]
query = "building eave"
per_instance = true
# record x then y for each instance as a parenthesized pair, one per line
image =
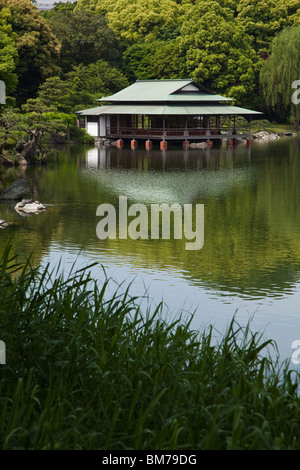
(169, 110)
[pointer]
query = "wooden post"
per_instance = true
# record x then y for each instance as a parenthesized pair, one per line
(163, 143)
(208, 130)
(133, 144)
(120, 143)
(148, 144)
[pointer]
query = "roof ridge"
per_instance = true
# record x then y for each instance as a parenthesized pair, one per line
(165, 80)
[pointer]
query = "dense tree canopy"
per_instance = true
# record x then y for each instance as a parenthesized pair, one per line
(143, 20)
(218, 43)
(38, 48)
(79, 51)
(98, 78)
(209, 43)
(154, 60)
(81, 87)
(262, 19)
(85, 37)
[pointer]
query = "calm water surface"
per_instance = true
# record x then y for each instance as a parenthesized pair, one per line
(250, 262)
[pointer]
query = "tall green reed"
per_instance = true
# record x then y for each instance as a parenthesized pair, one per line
(90, 371)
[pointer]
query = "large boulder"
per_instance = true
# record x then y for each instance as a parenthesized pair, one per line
(16, 191)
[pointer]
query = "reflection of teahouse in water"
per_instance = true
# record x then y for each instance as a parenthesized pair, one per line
(167, 111)
(142, 176)
(100, 157)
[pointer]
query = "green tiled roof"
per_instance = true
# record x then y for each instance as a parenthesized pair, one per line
(165, 98)
(163, 90)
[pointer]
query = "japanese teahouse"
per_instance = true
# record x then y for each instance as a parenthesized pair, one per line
(166, 111)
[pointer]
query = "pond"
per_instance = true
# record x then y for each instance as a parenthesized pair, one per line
(249, 264)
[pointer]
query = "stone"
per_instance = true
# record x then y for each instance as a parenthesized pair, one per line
(16, 191)
(102, 141)
(3, 224)
(265, 136)
(199, 145)
(30, 207)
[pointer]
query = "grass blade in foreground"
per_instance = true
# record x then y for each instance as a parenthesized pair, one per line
(86, 372)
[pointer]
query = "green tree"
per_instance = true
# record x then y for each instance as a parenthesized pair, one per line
(97, 78)
(81, 87)
(85, 38)
(55, 92)
(141, 20)
(87, 4)
(64, 96)
(154, 60)
(37, 47)
(28, 131)
(8, 51)
(278, 74)
(262, 20)
(9, 119)
(218, 52)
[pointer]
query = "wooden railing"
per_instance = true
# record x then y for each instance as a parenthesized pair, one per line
(190, 133)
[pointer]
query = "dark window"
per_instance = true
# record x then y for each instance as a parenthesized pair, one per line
(93, 118)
